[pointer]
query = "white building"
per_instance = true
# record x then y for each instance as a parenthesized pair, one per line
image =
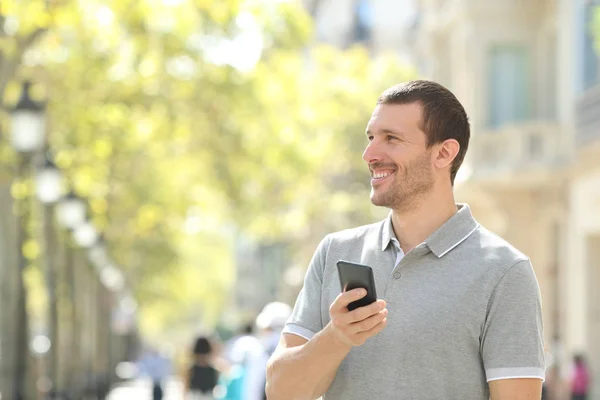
(528, 75)
(582, 266)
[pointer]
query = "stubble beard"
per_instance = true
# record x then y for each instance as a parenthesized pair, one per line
(409, 186)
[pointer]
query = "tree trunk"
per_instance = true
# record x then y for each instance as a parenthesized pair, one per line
(9, 290)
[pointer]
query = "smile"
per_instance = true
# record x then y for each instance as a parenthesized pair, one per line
(381, 175)
(378, 176)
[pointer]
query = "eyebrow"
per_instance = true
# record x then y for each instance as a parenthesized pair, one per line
(385, 132)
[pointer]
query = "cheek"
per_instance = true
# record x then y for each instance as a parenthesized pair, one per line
(401, 157)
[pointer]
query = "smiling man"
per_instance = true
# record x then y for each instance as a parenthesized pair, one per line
(460, 311)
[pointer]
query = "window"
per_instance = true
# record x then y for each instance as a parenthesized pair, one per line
(363, 21)
(509, 86)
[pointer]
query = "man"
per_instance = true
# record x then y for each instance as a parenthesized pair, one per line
(459, 315)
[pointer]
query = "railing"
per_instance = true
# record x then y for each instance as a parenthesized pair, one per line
(588, 117)
(517, 149)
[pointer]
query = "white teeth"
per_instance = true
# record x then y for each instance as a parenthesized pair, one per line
(381, 175)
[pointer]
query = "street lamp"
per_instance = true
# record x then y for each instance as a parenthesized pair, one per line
(49, 181)
(112, 278)
(70, 211)
(28, 136)
(98, 255)
(85, 235)
(28, 123)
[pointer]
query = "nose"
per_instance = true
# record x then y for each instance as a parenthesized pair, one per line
(372, 152)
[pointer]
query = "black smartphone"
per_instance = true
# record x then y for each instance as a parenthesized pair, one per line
(353, 276)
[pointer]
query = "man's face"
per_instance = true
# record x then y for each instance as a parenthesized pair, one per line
(397, 156)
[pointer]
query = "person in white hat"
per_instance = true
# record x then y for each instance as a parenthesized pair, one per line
(270, 323)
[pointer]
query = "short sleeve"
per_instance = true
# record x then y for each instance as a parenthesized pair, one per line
(512, 342)
(305, 320)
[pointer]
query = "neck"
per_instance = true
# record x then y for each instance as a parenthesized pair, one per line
(414, 225)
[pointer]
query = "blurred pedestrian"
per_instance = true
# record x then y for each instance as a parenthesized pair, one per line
(245, 377)
(156, 367)
(270, 323)
(240, 351)
(202, 376)
(246, 330)
(580, 378)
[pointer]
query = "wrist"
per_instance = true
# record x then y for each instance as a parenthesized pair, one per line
(334, 341)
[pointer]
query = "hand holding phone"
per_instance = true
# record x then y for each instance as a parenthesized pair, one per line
(354, 276)
(356, 314)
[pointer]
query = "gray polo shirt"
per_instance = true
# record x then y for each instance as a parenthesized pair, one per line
(464, 309)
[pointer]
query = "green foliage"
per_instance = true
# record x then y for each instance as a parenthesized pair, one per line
(176, 143)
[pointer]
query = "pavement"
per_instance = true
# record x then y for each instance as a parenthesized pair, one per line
(142, 390)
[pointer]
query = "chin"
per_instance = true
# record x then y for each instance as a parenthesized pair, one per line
(379, 201)
(386, 199)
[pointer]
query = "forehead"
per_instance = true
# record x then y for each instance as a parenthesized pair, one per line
(396, 117)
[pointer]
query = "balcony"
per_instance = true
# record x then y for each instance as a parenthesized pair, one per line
(588, 118)
(523, 154)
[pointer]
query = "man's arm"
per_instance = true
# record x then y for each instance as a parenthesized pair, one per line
(512, 341)
(516, 389)
(303, 370)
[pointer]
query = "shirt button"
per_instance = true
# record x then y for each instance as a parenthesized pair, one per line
(397, 274)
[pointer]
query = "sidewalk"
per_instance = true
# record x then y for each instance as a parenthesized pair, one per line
(142, 390)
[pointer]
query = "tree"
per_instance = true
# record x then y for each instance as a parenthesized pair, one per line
(178, 141)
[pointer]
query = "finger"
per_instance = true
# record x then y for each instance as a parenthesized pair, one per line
(341, 302)
(367, 324)
(373, 331)
(365, 312)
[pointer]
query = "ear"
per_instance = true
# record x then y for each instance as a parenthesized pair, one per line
(445, 153)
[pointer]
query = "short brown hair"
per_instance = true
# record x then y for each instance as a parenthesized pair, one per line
(443, 116)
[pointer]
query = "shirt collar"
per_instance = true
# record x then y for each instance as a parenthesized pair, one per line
(388, 232)
(452, 233)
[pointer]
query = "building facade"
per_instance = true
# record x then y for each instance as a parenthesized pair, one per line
(527, 73)
(582, 269)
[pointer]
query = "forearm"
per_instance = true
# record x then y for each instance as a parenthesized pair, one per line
(305, 372)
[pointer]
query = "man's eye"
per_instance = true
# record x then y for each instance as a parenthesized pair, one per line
(369, 138)
(390, 137)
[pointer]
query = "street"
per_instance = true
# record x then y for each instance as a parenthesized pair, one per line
(142, 390)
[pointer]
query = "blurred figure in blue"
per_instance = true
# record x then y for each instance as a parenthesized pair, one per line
(202, 376)
(243, 354)
(236, 356)
(156, 367)
(248, 354)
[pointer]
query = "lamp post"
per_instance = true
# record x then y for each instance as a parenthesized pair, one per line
(85, 236)
(113, 282)
(70, 213)
(48, 182)
(27, 138)
(49, 188)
